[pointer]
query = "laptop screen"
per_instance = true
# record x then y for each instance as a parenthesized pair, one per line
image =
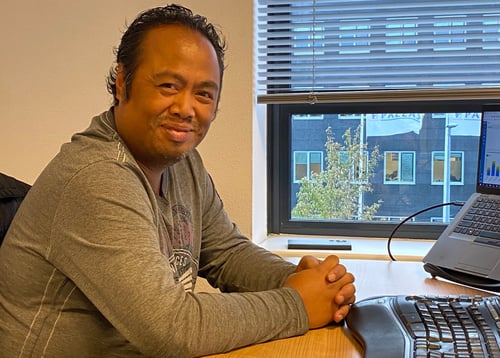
(488, 173)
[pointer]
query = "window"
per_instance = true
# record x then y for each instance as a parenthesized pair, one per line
(402, 165)
(306, 163)
(357, 167)
(456, 168)
(399, 168)
(395, 82)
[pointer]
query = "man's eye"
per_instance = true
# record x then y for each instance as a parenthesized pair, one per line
(167, 85)
(206, 94)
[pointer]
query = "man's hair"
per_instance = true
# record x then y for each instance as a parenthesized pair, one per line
(129, 50)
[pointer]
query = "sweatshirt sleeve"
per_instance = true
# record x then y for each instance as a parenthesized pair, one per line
(232, 262)
(106, 241)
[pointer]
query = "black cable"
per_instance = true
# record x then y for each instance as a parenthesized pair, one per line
(456, 203)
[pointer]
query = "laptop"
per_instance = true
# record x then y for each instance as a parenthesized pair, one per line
(468, 250)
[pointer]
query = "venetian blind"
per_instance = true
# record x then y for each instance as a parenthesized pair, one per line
(357, 45)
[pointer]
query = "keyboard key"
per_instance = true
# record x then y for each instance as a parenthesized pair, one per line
(490, 235)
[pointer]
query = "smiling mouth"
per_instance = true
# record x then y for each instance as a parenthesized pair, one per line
(178, 134)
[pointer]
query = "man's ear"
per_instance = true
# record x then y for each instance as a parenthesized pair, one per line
(121, 94)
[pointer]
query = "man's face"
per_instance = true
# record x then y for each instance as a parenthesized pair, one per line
(173, 97)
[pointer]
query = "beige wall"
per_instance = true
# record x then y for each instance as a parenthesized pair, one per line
(54, 60)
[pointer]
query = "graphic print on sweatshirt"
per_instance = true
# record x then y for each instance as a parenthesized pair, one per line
(181, 239)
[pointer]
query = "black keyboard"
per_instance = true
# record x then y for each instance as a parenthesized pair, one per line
(427, 326)
(482, 221)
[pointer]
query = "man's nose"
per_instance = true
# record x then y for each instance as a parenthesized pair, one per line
(183, 105)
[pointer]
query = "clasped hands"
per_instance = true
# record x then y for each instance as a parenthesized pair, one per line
(326, 288)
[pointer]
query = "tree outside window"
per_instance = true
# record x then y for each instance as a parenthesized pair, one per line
(336, 192)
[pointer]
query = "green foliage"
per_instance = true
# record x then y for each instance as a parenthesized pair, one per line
(334, 193)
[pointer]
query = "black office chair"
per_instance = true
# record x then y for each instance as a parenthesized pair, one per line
(12, 193)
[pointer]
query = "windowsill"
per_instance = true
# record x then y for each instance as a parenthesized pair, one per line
(362, 248)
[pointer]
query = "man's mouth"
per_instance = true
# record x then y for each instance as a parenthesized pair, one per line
(178, 134)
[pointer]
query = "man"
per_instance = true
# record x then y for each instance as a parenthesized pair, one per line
(103, 254)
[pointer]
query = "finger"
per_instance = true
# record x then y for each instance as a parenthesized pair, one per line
(341, 313)
(344, 288)
(346, 295)
(343, 280)
(328, 263)
(307, 262)
(341, 299)
(336, 273)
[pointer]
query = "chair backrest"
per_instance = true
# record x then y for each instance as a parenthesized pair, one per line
(12, 193)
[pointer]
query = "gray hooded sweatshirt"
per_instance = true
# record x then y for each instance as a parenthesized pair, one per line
(96, 265)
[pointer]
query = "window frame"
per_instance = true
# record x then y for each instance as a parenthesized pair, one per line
(359, 87)
(278, 165)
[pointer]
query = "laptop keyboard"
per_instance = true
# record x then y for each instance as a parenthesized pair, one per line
(427, 326)
(482, 221)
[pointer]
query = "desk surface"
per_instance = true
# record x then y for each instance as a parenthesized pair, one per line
(373, 278)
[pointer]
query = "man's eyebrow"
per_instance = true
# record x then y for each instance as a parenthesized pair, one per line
(208, 84)
(203, 84)
(166, 73)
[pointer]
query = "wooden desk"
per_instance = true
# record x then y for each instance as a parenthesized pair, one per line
(373, 278)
